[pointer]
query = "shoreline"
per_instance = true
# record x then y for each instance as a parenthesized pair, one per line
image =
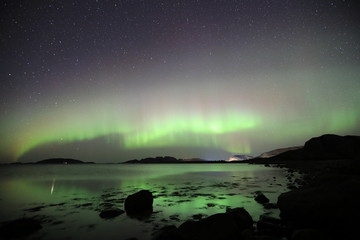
(337, 178)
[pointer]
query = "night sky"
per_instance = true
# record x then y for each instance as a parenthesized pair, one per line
(109, 81)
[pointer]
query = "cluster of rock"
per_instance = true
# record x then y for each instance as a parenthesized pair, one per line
(229, 225)
(237, 224)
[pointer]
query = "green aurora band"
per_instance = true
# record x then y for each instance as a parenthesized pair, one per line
(218, 117)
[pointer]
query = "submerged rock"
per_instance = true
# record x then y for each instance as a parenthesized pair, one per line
(261, 198)
(19, 228)
(139, 202)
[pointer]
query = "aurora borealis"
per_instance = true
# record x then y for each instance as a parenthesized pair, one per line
(109, 81)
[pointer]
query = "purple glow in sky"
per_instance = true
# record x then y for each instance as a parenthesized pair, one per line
(115, 80)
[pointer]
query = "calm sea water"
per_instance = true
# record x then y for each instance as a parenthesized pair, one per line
(68, 198)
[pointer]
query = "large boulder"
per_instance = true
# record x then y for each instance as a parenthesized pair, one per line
(138, 203)
(241, 217)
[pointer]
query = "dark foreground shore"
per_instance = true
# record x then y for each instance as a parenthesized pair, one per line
(321, 204)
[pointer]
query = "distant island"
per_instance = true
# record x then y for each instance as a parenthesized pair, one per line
(168, 159)
(62, 161)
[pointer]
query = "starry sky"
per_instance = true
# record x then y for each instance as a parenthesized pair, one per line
(109, 81)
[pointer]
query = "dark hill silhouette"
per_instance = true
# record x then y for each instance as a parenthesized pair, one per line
(166, 159)
(61, 161)
(325, 147)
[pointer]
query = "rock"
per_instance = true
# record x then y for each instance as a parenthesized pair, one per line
(215, 227)
(261, 198)
(19, 228)
(241, 217)
(139, 202)
(110, 213)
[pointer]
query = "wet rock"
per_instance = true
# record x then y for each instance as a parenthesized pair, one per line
(215, 227)
(19, 228)
(110, 213)
(241, 217)
(261, 198)
(139, 202)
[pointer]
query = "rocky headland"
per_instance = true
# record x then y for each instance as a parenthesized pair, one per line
(326, 206)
